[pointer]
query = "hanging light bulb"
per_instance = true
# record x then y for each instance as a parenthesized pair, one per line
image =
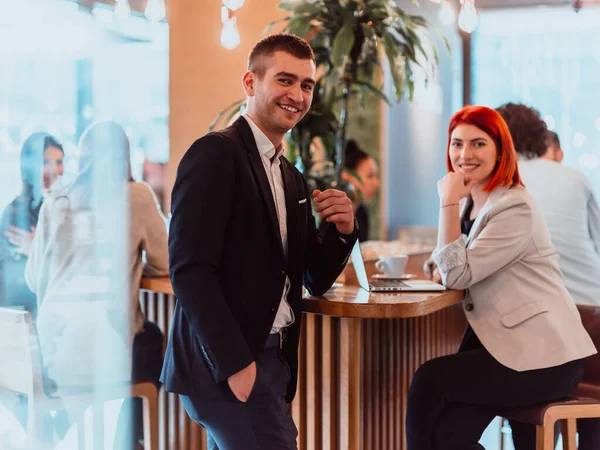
(122, 9)
(467, 19)
(230, 36)
(233, 4)
(155, 10)
(446, 14)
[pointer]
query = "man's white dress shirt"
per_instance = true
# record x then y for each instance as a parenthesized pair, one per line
(270, 158)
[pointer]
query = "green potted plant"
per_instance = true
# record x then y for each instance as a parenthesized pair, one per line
(348, 38)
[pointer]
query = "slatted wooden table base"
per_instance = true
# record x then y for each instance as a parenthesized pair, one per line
(357, 358)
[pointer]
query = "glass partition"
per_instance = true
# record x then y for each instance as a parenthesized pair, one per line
(83, 113)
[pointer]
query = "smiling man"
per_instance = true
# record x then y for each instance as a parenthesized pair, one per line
(242, 242)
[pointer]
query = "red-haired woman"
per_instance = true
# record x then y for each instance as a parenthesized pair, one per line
(525, 340)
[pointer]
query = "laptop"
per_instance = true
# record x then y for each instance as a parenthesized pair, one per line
(388, 285)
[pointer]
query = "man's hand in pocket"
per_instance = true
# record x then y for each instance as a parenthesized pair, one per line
(242, 382)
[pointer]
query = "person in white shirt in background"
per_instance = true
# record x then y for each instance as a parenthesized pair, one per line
(567, 202)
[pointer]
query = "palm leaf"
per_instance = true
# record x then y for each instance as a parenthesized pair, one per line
(299, 25)
(397, 65)
(374, 90)
(306, 7)
(230, 111)
(275, 22)
(342, 43)
(411, 82)
(287, 5)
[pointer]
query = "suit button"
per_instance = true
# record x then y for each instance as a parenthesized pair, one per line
(469, 307)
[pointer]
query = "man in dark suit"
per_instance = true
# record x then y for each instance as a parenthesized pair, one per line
(242, 242)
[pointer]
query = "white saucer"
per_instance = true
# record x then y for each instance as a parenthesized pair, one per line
(382, 276)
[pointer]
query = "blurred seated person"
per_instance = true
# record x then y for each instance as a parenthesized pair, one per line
(525, 343)
(567, 202)
(565, 197)
(86, 320)
(362, 172)
(41, 163)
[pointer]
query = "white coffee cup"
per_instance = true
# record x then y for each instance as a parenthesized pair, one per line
(392, 266)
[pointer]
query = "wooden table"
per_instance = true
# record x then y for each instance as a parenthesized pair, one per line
(358, 352)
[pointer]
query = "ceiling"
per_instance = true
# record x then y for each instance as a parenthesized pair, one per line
(135, 5)
(140, 5)
(528, 3)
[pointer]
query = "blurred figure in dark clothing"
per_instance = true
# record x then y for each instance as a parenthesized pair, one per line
(41, 165)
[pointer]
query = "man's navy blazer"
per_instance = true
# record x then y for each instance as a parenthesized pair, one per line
(227, 264)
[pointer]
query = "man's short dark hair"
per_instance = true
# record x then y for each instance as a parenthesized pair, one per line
(527, 128)
(281, 42)
(552, 139)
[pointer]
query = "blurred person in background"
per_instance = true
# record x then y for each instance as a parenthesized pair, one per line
(85, 327)
(567, 202)
(41, 163)
(554, 151)
(361, 171)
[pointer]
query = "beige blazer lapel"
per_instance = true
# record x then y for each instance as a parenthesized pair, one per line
(464, 204)
(489, 204)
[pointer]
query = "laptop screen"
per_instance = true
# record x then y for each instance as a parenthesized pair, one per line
(359, 267)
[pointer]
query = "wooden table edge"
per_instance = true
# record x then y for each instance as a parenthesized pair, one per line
(322, 306)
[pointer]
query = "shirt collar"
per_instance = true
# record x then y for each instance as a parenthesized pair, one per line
(264, 145)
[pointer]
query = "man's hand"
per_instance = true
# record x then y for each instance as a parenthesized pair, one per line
(334, 206)
(242, 382)
(21, 239)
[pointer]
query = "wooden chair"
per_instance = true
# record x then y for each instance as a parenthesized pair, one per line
(21, 373)
(585, 402)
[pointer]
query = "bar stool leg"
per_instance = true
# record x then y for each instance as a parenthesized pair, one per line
(544, 436)
(81, 432)
(569, 432)
(98, 425)
(150, 422)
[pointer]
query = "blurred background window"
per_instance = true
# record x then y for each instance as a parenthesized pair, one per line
(545, 57)
(64, 65)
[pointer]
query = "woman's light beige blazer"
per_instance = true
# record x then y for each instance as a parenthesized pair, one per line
(515, 300)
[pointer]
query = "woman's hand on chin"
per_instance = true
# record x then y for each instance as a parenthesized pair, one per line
(453, 187)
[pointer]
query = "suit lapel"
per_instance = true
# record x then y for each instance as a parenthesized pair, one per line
(260, 176)
(291, 202)
(489, 204)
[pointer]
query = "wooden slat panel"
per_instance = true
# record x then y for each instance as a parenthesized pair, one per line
(393, 351)
(311, 386)
(299, 403)
(353, 378)
(389, 345)
(328, 388)
(369, 366)
(163, 411)
(350, 387)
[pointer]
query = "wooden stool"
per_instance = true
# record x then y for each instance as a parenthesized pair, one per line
(21, 373)
(544, 417)
(584, 404)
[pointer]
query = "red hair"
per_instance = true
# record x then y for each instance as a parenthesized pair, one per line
(490, 122)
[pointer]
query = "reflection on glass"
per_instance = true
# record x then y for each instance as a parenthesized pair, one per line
(41, 164)
(69, 316)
